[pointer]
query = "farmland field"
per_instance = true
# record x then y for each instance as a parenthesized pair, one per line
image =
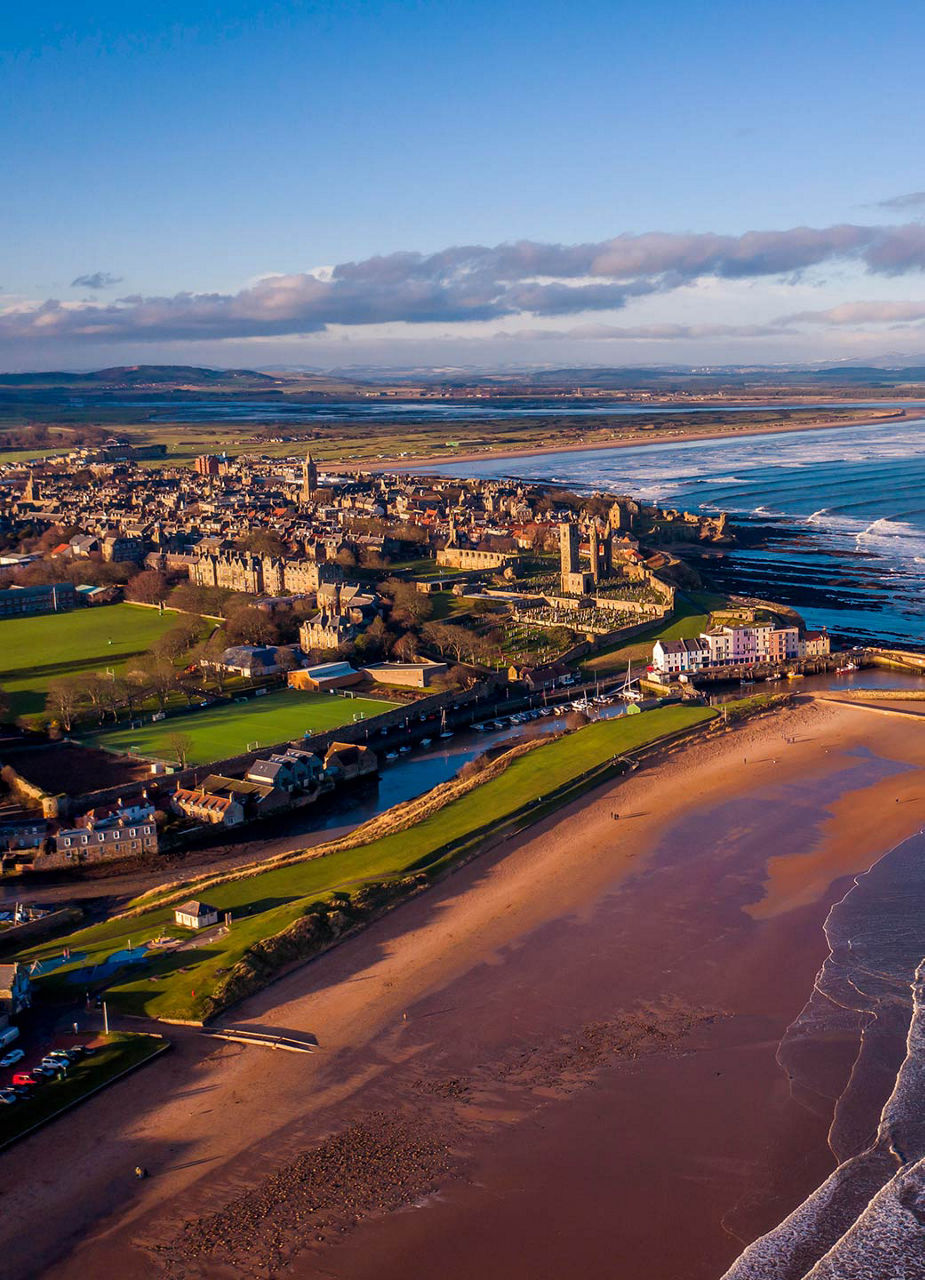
(218, 732)
(34, 651)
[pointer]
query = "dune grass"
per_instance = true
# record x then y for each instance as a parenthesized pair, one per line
(178, 984)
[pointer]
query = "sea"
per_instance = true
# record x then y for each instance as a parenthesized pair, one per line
(867, 1220)
(832, 520)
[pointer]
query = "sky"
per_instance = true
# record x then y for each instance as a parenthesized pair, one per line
(491, 184)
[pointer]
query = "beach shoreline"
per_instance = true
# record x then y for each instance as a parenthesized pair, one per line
(418, 461)
(520, 951)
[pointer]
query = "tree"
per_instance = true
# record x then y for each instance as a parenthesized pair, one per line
(64, 701)
(409, 606)
(405, 648)
(345, 558)
(208, 655)
(148, 587)
(181, 746)
(447, 638)
(286, 659)
(249, 625)
(178, 640)
(161, 678)
(263, 542)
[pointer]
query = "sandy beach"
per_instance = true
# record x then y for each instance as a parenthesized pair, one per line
(685, 431)
(559, 1061)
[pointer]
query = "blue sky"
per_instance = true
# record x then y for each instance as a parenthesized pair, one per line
(156, 150)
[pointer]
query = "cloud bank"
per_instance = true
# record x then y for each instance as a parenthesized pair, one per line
(467, 283)
(96, 280)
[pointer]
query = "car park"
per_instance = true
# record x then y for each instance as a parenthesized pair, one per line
(10, 1059)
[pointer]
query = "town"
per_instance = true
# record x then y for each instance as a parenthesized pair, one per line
(274, 632)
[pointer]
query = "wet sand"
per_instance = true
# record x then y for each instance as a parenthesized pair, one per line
(564, 1055)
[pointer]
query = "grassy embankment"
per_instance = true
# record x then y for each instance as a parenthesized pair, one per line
(120, 1053)
(691, 616)
(181, 984)
(229, 729)
(37, 650)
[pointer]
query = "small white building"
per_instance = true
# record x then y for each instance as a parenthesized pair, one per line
(196, 915)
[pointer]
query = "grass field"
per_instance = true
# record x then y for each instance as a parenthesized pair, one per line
(178, 984)
(35, 650)
(122, 1051)
(216, 733)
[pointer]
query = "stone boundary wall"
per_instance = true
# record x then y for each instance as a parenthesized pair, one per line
(33, 930)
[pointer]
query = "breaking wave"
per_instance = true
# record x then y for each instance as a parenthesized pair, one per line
(867, 1220)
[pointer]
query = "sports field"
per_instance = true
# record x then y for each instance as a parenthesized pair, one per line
(216, 733)
(35, 650)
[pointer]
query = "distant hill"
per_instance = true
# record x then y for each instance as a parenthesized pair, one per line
(146, 375)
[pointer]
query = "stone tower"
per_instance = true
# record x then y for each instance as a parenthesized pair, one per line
(568, 548)
(309, 480)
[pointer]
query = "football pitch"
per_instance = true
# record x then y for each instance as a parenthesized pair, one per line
(230, 729)
(34, 651)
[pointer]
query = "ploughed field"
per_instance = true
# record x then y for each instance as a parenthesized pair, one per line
(181, 982)
(231, 728)
(34, 651)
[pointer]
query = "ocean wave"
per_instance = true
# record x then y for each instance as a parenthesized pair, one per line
(862, 1223)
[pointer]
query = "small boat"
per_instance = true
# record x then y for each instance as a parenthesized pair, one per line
(849, 666)
(775, 675)
(498, 724)
(391, 755)
(444, 731)
(479, 728)
(794, 675)
(404, 750)
(425, 742)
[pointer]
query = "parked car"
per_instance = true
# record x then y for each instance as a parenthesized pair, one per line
(55, 1066)
(42, 1074)
(27, 1077)
(8, 1097)
(10, 1059)
(66, 1055)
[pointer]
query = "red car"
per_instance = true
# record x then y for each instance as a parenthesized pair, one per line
(26, 1077)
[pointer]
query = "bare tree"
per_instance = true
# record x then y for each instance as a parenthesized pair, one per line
(65, 699)
(181, 746)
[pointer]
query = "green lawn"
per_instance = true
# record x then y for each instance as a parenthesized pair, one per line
(445, 605)
(178, 984)
(688, 621)
(218, 732)
(121, 1051)
(35, 650)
